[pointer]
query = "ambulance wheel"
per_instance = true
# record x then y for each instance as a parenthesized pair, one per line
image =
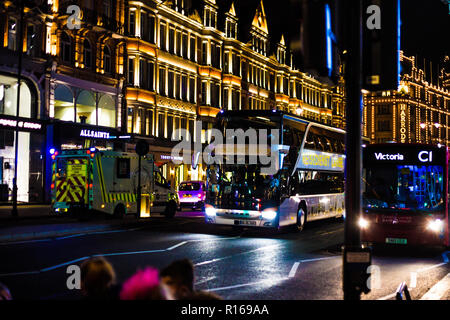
(171, 210)
(119, 211)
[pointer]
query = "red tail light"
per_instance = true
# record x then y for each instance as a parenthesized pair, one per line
(52, 186)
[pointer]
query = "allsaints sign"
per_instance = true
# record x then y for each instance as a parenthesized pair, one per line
(94, 134)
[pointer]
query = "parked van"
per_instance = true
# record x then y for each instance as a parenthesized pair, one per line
(192, 194)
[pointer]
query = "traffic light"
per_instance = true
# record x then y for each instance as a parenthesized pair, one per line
(381, 44)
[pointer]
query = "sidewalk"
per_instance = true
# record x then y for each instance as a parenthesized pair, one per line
(29, 211)
(35, 222)
(53, 229)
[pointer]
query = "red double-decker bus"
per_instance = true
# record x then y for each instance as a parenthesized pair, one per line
(405, 194)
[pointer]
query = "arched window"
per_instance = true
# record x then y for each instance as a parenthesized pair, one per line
(65, 48)
(107, 59)
(87, 54)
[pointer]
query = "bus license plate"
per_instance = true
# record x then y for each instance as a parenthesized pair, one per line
(396, 241)
(245, 222)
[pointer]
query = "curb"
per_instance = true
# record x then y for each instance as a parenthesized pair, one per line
(5, 239)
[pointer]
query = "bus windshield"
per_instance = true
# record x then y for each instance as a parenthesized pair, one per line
(241, 184)
(418, 188)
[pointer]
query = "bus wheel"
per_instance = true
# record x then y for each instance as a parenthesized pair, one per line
(301, 218)
(171, 210)
(119, 211)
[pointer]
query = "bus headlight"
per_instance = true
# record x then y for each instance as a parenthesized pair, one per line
(210, 211)
(269, 214)
(435, 225)
(363, 223)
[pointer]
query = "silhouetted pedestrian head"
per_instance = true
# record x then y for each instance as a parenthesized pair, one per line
(178, 279)
(143, 285)
(4, 292)
(97, 278)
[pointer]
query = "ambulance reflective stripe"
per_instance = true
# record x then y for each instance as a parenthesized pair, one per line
(72, 187)
(101, 179)
(125, 197)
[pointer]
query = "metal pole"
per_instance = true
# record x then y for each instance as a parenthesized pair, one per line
(14, 211)
(353, 81)
(139, 190)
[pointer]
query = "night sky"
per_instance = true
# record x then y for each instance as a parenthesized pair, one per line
(425, 24)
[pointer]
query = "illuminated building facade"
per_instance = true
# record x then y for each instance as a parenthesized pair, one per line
(418, 112)
(72, 86)
(98, 69)
(186, 63)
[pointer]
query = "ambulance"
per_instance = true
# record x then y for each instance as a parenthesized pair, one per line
(87, 180)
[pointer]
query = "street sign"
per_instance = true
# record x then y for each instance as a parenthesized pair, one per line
(381, 44)
(142, 148)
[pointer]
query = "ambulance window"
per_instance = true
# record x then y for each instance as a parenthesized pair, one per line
(160, 180)
(62, 167)
(123, 168)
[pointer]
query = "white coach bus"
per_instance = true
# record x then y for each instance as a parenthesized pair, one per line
(307, 185)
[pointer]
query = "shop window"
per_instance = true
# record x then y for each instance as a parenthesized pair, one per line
(107, 111)
(64, 107)
(87, 54)
(85, 108)
(8, 98)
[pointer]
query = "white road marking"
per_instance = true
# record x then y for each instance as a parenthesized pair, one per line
(76, 235)
(177, 245)
(413, 283)
(234, 255)
(109, 255)
(293, 270)
(438, 290)
(267, 281)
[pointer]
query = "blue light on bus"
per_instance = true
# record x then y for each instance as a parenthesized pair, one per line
(92, 149)
(52, 151)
